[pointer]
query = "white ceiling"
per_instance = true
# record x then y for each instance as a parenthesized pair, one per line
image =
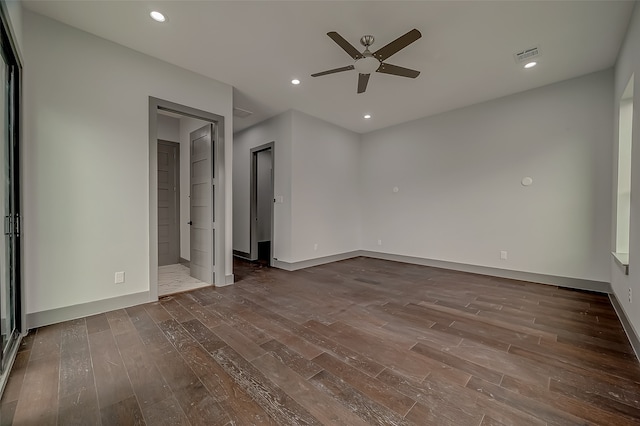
(465, 53)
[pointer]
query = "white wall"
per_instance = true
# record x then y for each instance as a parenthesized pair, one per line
(629, 64)
(279, 130)
(168, 128)
(86, 161)
(14, 9)
(325, 190)
(459, 175)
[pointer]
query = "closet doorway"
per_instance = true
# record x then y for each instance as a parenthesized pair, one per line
(262, 201)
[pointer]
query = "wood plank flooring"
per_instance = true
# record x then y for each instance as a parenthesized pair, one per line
(357, 342)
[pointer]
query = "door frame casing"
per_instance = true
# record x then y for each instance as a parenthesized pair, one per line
(253, 201)
(156, 104)
(176, 168)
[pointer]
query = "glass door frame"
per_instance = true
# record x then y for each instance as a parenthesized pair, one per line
(13, 226)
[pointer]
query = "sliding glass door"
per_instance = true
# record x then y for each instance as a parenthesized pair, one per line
(10, 313)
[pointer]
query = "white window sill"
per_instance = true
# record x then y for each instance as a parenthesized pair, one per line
(622, 259)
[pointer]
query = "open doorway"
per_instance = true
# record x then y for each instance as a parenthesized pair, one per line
(261, 229)
(184, 202)
(186, 207)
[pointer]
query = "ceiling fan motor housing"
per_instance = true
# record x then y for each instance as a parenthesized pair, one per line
(367, 40)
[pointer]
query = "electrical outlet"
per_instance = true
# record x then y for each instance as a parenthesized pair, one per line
(119, 277)
(315, 247)
(503, 255)
(379, 242)
(630, 298)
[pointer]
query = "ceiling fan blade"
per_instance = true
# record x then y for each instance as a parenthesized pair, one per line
(347, 68)
(396, 45)
(363, 79)
(396, 70)
(346, 46)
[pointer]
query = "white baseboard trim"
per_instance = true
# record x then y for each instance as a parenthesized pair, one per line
(574, 283)
(53, 316)
(626, 324)
(242, 254)
(294, 266)
(228, 280)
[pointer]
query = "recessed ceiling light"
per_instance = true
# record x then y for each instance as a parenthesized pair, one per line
(531, 64)
(295, 81)
(157, 16)
(367, 116)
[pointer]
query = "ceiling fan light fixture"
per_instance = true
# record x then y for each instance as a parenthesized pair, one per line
(367, 65)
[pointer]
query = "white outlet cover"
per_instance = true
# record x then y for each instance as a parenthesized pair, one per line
(119, 279)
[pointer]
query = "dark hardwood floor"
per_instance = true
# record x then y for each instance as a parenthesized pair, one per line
(356, 342)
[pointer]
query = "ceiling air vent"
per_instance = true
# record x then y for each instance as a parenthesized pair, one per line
(527, 55)
(241, 113)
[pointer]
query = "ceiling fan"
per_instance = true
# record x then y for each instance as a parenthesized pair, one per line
(367, 62)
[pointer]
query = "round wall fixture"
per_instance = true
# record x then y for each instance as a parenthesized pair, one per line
(157, 16)
(527, 181)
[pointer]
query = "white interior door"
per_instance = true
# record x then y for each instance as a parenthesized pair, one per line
(201, 204)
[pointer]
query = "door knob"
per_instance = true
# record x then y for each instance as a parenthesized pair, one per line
(190, 222)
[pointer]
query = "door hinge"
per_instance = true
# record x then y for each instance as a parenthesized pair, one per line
(8, 225)
(17, 230)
